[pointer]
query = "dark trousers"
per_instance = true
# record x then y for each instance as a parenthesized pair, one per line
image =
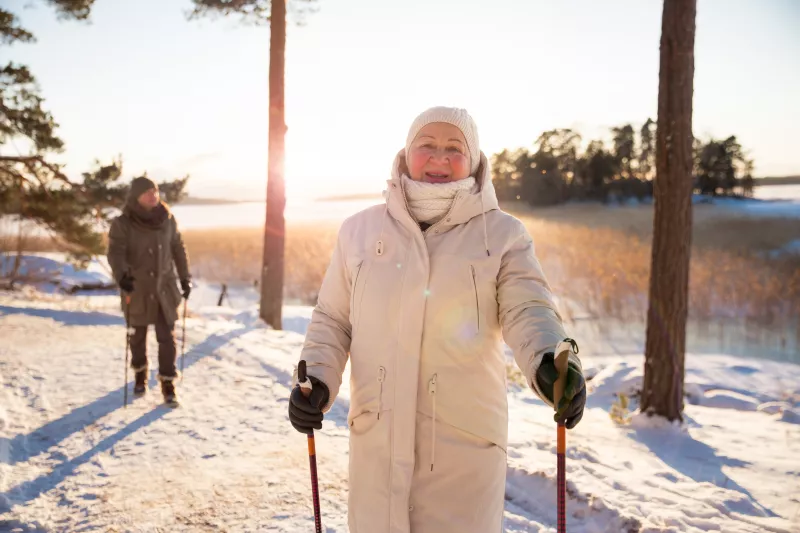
(167, 351)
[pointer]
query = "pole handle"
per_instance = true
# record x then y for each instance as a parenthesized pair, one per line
(127, 346)
(562, 366)
(183, 337)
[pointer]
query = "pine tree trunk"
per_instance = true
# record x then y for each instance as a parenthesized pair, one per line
(18, 258)
(669, 276)
(274, 230)
(20, 232)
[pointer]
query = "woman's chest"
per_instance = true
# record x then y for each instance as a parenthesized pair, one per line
(448, 275)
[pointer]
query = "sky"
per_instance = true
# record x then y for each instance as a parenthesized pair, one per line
(176, 97)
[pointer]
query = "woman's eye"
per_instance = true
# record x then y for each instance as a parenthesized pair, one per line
(454, 149)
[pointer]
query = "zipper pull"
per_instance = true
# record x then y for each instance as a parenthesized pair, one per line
(432, 392)
(381, 379)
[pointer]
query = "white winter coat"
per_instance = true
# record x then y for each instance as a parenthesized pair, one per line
(423, 317)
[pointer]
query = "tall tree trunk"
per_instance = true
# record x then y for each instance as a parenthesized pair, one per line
(20, 232)
(672, 229)
(274, 229)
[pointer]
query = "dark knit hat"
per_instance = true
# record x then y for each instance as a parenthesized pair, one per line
(141, 185)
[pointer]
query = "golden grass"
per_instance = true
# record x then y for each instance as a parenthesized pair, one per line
(596, 257)
(600, 258)
(235, 255)
(30, 243)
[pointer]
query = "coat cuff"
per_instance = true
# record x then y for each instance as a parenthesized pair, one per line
(325, 374)
(537, 362)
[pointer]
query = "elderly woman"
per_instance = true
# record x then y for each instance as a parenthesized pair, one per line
(144, 251)
(420, 294)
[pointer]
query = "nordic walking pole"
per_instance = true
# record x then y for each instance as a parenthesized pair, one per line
(561, 362)
(127, 344)
(183, 335)
(304, 383)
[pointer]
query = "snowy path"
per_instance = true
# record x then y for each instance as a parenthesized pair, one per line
(72, 459)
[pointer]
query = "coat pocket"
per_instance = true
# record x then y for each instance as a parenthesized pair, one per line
(355, 298)
(370, 472)
(136, 307)
(363, 423)
(172, 293)
(477, 297)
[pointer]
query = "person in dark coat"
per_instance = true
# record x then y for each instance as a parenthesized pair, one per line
(145, 249)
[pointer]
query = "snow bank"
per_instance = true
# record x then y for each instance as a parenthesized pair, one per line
(791, 415)
(712, 381)
(756, 207)
(49, 272)
(790, 248)
(725, 399)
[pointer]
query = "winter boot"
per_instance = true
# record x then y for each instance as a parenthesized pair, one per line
(168, 390)
(140, 386)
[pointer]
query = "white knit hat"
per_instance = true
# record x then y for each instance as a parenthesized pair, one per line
(457, 117)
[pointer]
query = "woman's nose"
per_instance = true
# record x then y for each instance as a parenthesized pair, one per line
(440, 155)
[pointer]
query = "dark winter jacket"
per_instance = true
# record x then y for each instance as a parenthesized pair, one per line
(146, 245)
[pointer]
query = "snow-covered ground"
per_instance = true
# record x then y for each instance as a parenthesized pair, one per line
(50, 272)
(73, 459)
(760, 208)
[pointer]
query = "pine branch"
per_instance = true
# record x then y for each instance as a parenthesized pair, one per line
(73, 9)
(255, 12)
(10, 32)
(30, 163)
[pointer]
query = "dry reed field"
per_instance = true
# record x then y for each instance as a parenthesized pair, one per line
(595, 256)
(234, 256)
(599, 257)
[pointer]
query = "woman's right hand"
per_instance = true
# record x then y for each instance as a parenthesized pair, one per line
(126, 283)
(305, 409)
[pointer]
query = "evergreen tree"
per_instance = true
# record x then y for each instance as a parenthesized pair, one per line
(32, 186)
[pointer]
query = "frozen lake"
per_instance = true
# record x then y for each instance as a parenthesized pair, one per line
(251, 214)
(778, 192)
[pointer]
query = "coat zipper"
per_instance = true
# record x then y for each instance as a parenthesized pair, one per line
(477, 299)
(432, 392)
(381, 379)
(452, 207)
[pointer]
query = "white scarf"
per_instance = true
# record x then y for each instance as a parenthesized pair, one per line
(430, 202)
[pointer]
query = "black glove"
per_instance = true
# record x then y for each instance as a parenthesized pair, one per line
(186, 285)
(570, 408)
(126, 283)
(305, 414)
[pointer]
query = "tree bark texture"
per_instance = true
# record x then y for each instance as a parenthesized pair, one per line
(274, 229)
(672, 230)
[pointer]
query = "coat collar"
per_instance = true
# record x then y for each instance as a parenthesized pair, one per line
(466, 205)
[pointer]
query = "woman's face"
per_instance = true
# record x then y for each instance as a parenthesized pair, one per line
(149, 199)
(438, 154)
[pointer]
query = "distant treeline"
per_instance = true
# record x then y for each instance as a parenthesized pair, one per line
(559, 171)
(786, 180)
